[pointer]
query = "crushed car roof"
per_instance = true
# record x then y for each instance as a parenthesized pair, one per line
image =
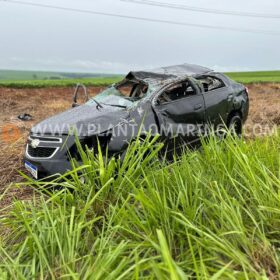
(169, 72)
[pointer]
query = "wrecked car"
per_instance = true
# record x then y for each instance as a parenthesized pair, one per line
(178, 103)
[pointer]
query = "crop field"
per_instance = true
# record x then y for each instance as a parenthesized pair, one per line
(212, 213)
(98, 81)
(256, 77)
(37, 79)
(13, 75)
(22, 79)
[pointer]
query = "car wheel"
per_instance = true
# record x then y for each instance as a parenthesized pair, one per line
(235, 125)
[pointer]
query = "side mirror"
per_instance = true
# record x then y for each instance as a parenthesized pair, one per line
(75, 96)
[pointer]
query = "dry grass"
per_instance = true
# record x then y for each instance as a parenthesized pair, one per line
(42, 103)
(264, 107)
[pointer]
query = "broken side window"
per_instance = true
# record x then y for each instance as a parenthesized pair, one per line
(176, 92)
(210, 83)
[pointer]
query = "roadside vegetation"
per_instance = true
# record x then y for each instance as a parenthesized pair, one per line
(212, 213)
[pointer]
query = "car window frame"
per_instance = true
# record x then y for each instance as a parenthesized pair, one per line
(195, 88)
(198, 79)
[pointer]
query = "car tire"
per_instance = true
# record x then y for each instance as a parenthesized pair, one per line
(235, 125)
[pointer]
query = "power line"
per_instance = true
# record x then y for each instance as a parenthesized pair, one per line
(201, 10)
(203, 26)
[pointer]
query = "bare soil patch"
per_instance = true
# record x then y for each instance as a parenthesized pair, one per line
(264, 112)
(40, 103)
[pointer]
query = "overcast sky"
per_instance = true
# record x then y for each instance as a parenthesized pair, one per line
(35, 38)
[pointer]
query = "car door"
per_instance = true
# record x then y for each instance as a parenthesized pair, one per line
(216, 95)
(181, 113)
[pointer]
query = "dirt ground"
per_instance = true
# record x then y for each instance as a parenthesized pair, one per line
(42, 103)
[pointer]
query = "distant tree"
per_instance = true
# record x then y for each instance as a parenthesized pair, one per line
(35, 77)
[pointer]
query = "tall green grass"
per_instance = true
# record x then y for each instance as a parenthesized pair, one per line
(212, 214)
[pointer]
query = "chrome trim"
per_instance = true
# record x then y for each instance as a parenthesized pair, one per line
(44, 137)
(29, 156)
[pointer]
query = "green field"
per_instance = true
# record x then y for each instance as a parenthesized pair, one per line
(212, 214)
(13, 75)
(98, 81)
(37, 79)
(29, 79)
(255, 77)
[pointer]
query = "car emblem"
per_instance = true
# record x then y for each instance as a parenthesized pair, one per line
(35, 143)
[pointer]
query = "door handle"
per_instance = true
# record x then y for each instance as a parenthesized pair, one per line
(197, 107)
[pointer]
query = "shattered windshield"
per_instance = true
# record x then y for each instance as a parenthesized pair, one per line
(123, 95)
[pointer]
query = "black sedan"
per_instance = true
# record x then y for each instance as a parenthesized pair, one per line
(179, 103)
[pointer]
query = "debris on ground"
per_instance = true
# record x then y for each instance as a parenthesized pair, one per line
(25, 117)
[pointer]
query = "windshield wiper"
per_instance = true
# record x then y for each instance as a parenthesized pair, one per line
(97, 103)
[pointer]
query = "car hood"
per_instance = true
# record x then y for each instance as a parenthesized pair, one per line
(86, 120)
